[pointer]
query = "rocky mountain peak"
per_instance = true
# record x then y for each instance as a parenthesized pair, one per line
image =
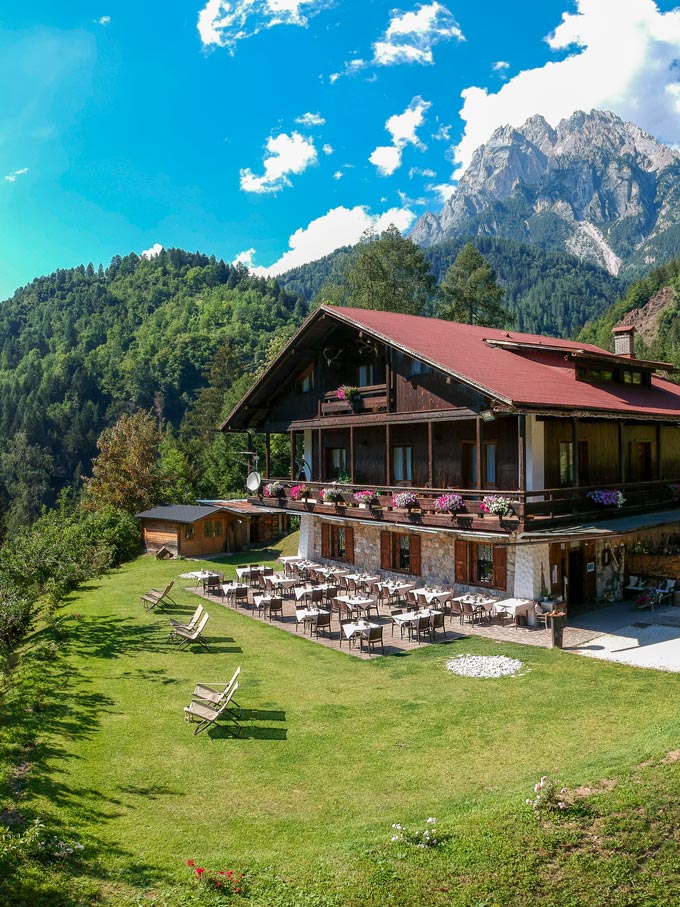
(590, 186)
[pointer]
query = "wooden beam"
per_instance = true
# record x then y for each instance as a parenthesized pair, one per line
(388, 455)
(574, 452)
(319, 458)
(478, 450)
(521, 452)
(622, 468)
(388, 377)
(292, 455)
(267, 455)
(659, 458)
(351, 453)
(429, 455)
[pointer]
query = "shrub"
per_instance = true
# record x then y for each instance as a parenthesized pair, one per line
(549, 798)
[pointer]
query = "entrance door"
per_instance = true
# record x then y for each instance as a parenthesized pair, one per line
(576, 569)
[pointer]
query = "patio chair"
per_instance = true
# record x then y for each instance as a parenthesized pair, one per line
(456, 611)
(208, 714)
(437, 623)
(157, 599)
(322, 622)
(191, 623)
(186, 637)
(635, 584)
(213, 585)
(275, 607)
(412, 600)
(471, 613)
(215, 696)
(420, 626)
(372, 637)
(240, 595)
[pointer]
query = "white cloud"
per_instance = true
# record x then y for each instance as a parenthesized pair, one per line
(310, 119)
(418, 171)
(245, 258)
(153, 252)
(402, 127)
(339, 227)
(287, 154)
(224, 23)
(104, 20)
(443, 190)
(500, 66)
(11, 177)
(409, 38)
(623, 56)
(338, 175)
(327, 149)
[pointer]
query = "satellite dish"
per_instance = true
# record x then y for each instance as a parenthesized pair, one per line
(253, 481)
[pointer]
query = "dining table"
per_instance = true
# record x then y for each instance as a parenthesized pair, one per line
(358, 603)
(516, 607)
(408, 617)
(355, 628)
(307, 616)
(441, 595)
(301, 591)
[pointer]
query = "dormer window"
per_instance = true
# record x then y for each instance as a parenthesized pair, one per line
(620, 375)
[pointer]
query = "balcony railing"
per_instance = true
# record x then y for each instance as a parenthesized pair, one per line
(368, 399)
(530, 509)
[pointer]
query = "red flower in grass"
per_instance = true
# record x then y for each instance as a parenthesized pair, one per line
(190, 863)
(199, 872)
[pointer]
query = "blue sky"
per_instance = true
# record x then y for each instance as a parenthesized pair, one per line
(274, 130)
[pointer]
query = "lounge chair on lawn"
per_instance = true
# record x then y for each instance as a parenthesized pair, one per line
(195, 635)
(156, 599)
(214, 696)
(190, 624)
(208, 714)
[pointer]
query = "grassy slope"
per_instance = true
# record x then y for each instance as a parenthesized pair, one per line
(333, 751)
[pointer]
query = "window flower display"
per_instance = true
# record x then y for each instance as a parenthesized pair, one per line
(405, 499)
(347, 392)
(607, 497)
(331, 496)
(299, 492)
(273, 490)
(366, 496)
(448, 503)
(496, 505)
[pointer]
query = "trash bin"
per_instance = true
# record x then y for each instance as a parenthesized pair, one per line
(558, 621)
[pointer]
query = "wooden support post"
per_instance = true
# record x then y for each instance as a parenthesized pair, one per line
(622, 467)
(521, 452)
(659, 458)
(292, 455)
(429, 455)
(267, 455)
(388, 381)
(388, 456)
(478, 450)
(574, 452)
(351, 453)
(319, 458)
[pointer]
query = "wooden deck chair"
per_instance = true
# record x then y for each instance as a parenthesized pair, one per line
(208, 714)
(215, 696)
(156, 599)
(196, 635)
(191, 623)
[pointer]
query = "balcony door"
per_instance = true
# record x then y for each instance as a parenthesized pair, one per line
(640, 455)
(488, 464)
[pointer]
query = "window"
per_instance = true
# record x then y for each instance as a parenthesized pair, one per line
(402, 464)
(208, 529)
(366, 375)
(567, 476)
(336, 462)
(337, 542)
(410, 367)
(480, 564)
(188, 532)
(218, 528)
(419, 368)
(488, 464)
(306, 380)
(400, 552)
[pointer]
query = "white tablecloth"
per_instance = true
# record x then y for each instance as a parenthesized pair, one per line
(442, 595)
(516, 607)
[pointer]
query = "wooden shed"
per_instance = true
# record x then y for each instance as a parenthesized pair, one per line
(193, 530)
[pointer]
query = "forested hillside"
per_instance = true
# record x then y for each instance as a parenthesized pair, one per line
(182, 334)
(652, 305)
(546, 292)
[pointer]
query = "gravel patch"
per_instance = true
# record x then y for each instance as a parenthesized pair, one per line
(484, 666)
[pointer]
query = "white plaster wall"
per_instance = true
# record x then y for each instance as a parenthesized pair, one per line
(306, 543)
(535, 452)
(528, 561)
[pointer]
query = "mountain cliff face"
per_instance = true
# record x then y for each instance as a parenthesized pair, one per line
(595, 186)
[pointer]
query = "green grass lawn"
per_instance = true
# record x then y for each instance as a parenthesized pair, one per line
(333, 751)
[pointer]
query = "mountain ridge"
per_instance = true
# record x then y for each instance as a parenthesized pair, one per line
(595, 186)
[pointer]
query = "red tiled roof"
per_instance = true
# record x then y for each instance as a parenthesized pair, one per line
(530, 377)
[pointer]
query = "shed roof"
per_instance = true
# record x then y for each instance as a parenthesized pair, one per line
(179, 513)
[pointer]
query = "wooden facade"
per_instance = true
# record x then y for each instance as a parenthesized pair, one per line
(413, 423)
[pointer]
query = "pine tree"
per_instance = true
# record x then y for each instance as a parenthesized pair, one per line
(469, 292)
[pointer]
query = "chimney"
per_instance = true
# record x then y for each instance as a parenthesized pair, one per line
(624, 341)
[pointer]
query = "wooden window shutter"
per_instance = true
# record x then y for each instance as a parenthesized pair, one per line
(385, 551)
(325, 540)
(461, 561)
(499, 567)
(414, 545)
(349, 544)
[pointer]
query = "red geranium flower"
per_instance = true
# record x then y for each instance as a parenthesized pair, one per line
(190, 863)
(199, 871)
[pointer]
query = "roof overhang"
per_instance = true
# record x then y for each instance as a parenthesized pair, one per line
(605, 529)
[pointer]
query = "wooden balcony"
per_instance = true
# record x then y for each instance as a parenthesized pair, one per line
(371, 399)
(531, 509)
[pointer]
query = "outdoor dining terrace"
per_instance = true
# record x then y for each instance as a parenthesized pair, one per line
(464, 508)
(364, 616)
